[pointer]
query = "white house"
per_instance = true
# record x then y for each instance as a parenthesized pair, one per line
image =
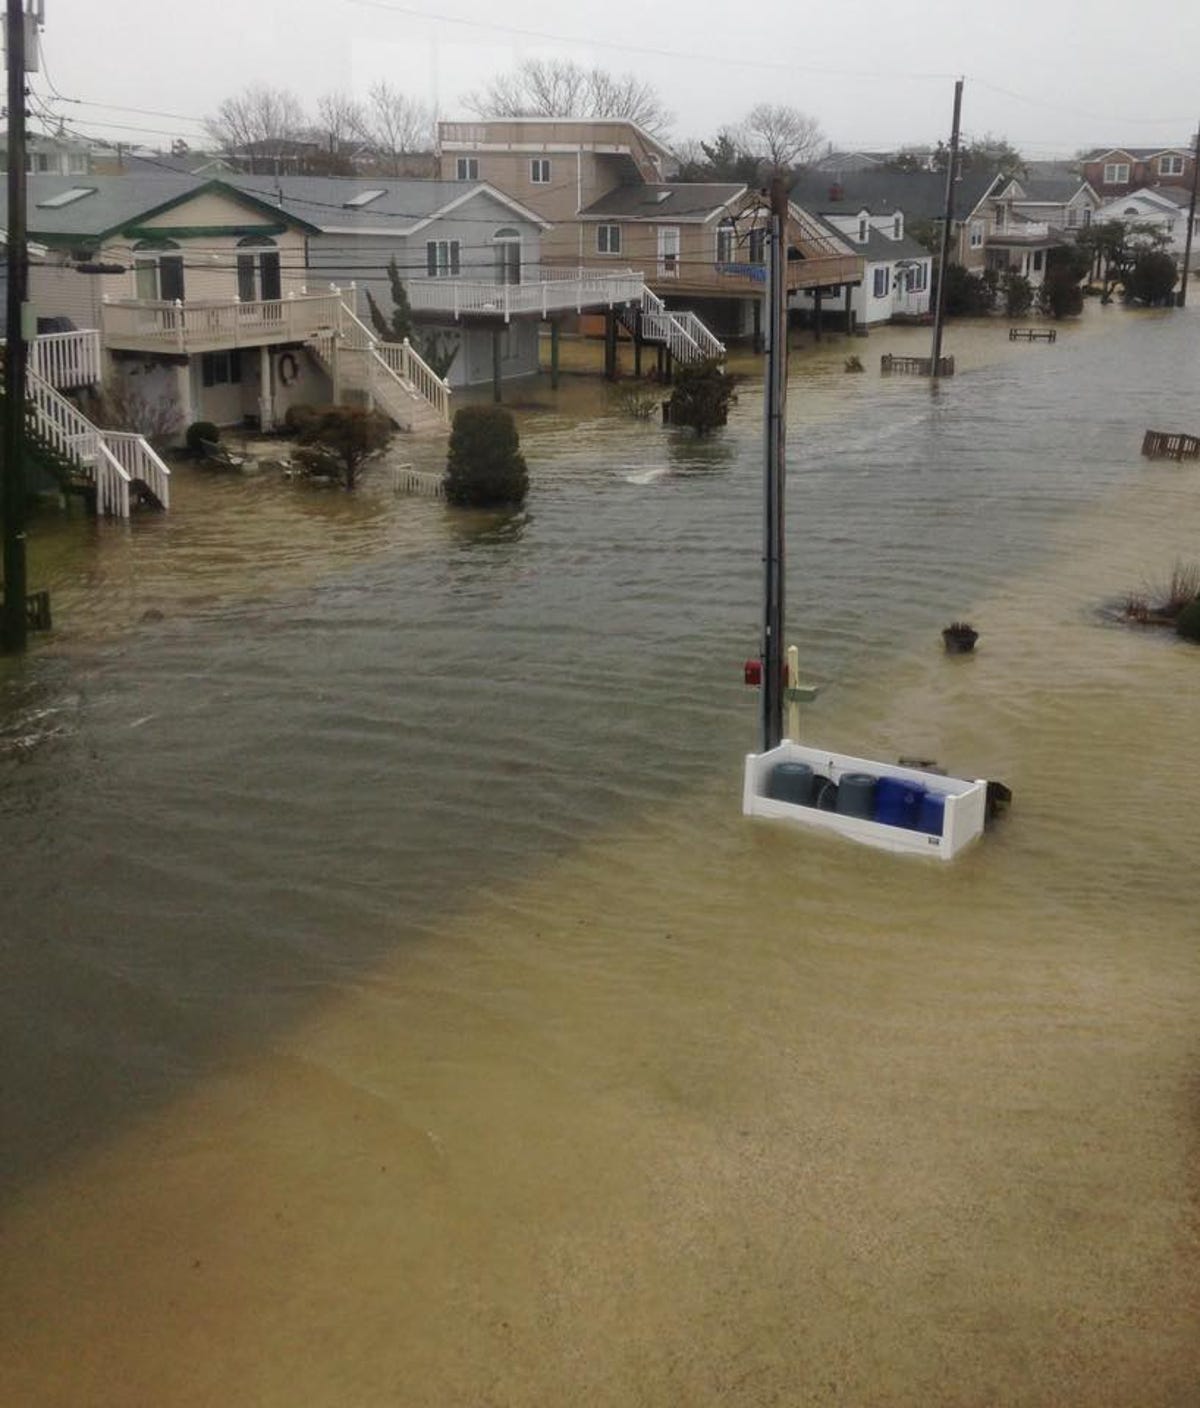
(1164, 208)
(896, 273)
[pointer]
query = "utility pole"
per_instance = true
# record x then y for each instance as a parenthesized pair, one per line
(13, 625)
(1191, 225)
(775, 436)
(947, 222)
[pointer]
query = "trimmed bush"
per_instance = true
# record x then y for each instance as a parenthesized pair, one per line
(201, 430)
(1060, 294)
(484, 466)
(1187, 623)
(299, 420)
(1018, 294)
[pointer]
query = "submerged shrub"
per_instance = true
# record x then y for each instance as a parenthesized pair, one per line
(484, 465)
(701, 397)
(1187, 623)
(198, 431)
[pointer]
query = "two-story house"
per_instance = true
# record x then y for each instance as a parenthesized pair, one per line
(603, 183)
(1031, 216)
(1115, 171)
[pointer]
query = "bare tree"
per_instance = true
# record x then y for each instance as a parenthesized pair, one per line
(395, 126)
(560, 88)
(339, 119)
(258, 124)
(784, 136)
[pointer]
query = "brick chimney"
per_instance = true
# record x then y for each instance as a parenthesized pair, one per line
(836, 192)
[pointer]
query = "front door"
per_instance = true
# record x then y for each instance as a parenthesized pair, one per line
(668, 251)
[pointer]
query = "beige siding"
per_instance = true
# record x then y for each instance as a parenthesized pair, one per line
(212, 208)
(210, 266)
(56, 291)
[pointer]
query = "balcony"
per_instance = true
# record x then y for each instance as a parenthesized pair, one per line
(142, 325)
(1020, 232)
(553, 291)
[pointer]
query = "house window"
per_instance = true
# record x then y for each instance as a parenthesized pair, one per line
(1039, 257)
(918, 279)
(897, 226)
(1116, 173)
(539, 171)
(882, 282)
(441, 258)
(608, 239)
(1087, 216)
(726, 241)
(158, 273)
(221, 368)
(1170, 166)
(758, 245)
(862, 229)
(975, 238)
(468, 168)
(258, 274)
(999, 221)
(1072, 217)
(77, 164)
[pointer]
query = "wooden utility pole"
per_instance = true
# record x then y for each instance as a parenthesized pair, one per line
(1191, 224)
(13, 626)
(775, 441)
(947, 223)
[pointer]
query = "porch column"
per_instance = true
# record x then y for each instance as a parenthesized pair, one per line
(637, 355)
(849, 312)
(817, 311)
(554, 332)
(497, 333)
(266, 393)
(758, 332)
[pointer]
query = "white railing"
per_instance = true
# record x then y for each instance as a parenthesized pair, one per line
(709, 345)
(685, 336)
(181, 327)
(407, 364)
(555, 292)
(112, 459)
(66, 359)
(1022, 230)
(140, 461)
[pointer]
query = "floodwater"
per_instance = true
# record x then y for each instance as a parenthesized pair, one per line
(398, 1011)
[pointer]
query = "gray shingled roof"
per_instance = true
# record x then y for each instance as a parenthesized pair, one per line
(1138, 153)
(879, 248)
(920, 195)
(684, 200)
(1054, 189)
(309, 200)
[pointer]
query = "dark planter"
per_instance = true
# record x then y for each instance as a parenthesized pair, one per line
(959, 640)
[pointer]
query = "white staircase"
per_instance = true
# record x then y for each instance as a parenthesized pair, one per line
(682, 333)
(388, 375)
(121, 465)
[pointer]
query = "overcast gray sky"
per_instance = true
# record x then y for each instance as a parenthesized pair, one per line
(1050, 75)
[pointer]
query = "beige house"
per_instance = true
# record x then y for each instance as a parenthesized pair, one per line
(699, 247)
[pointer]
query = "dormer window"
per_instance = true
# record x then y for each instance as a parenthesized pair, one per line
(1171, 165)
(539, 171)
(1116, 173)
(897, 226)
(863, 224)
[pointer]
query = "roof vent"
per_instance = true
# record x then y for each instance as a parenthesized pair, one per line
(363, 198)
(836, 192)
(660, 196)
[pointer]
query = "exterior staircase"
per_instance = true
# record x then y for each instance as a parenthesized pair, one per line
(120, 467)
(682, 333)
(389, 376)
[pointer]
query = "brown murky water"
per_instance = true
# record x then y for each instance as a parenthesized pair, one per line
(398, 1010)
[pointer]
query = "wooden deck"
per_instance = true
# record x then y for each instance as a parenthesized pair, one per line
(1033, 334)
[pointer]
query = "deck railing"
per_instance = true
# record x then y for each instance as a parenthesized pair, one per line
(66, 360)
(554, 291)
(143, 324)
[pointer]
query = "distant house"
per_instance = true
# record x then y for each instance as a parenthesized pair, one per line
(1163, 208)
(897, 270)
(51, 155)
(1029, 217)
(918, 196)
(700, 247)
(838, 163)
(1115, 171)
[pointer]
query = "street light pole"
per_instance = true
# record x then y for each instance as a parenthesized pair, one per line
(1191, 224)
(947, 221)
(775, 437)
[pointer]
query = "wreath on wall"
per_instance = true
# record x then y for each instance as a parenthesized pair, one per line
(289, 369)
